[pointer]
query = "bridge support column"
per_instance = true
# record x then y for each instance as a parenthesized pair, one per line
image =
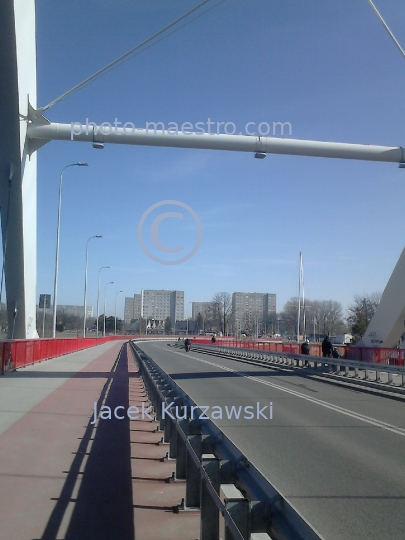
(18, 174)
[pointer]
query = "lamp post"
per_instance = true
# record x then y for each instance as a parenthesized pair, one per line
(187, 314)
(85, 284)
(98, 298)
(306, 312)
(115, 313)
(105, 295)
(55, 287)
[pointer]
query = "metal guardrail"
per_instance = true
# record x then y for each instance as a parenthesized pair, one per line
(335, 365)
(375, 355)
(219, 477)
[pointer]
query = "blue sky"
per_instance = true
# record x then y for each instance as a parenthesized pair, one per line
(328, 68)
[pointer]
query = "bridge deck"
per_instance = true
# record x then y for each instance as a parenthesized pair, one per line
(63, 477)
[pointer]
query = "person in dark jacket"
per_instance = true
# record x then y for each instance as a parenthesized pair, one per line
(305, 350)
(305, 347)
(327, 347)
(213, 340)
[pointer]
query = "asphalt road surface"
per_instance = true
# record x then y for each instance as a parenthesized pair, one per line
(337, 454)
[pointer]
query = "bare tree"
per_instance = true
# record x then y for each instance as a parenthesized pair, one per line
(222, 310)
(289, 316)
(168, 325)
(360, 313)
(209, 318)
(328, 316)
(198, 323)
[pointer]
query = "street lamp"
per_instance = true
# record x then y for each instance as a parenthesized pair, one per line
(187, 314)
(115, 314)
(85, 284)
(105, 295)
(306, 311)
(55, 287)
(98, 297)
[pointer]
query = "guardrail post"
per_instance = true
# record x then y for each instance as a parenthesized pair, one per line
(167, 421)
(193, 473)
(173, 440)
(158, 409)
(239, 510)
(390, 381)
(209, 526)
(167, 394)
(181, 454)
(260, 519)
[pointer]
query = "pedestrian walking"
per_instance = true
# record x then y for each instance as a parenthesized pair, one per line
(305, 350)
(327, 347)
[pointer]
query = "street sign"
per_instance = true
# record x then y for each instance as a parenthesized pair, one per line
(44, 301)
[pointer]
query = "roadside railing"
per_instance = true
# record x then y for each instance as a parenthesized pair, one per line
(19, 353)
(373, 355)
(220, 480)
(353, 369)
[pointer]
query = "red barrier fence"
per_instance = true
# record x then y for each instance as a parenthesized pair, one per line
(19, 353)
(362, 354)
(394, 357)
(23, 352)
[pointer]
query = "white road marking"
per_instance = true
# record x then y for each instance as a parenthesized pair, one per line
(347, 412)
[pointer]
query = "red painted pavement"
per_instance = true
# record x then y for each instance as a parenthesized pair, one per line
(63, 478)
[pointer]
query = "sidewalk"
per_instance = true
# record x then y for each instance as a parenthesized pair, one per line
(62, 477)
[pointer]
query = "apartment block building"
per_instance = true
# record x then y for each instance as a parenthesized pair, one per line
(155, 304)
(205, 308)
(253, 312)
(132, 308)
(160, 304)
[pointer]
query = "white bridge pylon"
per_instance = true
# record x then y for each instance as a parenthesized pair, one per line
(23, 130)
(387, 327)
(18, 174)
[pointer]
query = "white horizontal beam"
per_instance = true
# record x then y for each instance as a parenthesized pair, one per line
(42, 133)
